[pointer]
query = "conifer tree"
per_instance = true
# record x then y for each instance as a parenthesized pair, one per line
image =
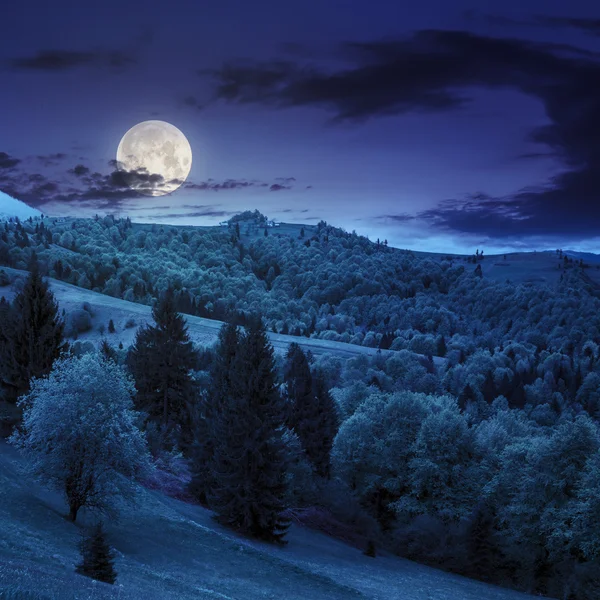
(249, 460)
(312, 410)
(97, 556)
(31, 335)
(108, 351)
(467, 396)
(483, 553)
(297, 378)
(161, 360)
(219, 392)
(323, 428)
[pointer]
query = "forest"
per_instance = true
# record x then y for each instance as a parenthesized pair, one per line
(487, 466)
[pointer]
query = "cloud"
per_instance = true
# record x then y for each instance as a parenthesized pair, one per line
(590, 26)
(401, 218)
(79, 170)
(7, 161)
(193, 102)
(437, 71)
(208, 212)
(236, 184)
(63, 60)
(105, 191)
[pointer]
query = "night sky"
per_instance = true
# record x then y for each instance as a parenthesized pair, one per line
(441, 126)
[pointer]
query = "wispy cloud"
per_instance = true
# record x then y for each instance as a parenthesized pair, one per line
(64, 60)
(110, 190)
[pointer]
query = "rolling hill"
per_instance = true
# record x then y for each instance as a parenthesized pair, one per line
(202, 331)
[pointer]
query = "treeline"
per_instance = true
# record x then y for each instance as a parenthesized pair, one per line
(332, 285)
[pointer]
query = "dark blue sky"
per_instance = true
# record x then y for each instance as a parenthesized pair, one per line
(439, 126)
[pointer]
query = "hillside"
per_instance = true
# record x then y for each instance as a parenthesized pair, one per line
(168, 549)
(10, 207)
(129, 316)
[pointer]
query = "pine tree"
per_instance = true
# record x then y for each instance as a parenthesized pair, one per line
(31, 336)
(108, 351)
(161, 360)
(297, 378)
(489, 388)
(467, 396)
(98, 558)
(323, 428)
(311, 408)
(483, 552)
(249, 460)
(217, 396)
(441, 346)
(111, 326)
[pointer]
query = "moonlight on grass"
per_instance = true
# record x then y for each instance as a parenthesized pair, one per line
(159, 156)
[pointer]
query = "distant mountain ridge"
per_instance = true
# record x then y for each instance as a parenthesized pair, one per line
(11, 207)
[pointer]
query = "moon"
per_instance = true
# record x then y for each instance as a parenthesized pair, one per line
(154, 157)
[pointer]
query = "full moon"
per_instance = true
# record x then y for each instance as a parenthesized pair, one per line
(157, 157)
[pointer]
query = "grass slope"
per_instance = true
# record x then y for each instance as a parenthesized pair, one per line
(167, 549)
(202, 331)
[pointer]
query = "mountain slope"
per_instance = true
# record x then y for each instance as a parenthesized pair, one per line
(167, 549)
(10, 207)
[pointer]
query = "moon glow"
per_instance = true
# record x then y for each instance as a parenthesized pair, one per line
(156, 156)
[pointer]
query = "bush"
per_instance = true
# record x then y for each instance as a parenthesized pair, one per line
(81, 348)
(88, 308)
(80, 321)
(4, 278)
(129, 323)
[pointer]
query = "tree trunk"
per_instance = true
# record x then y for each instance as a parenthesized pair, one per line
(73, 509)
(165, 405)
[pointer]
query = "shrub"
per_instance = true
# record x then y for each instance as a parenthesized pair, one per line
(80, 321)
(4, 278)
(88, 308)
(129, 323)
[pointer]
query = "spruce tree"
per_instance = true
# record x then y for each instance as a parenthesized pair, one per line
(31, 335)
(219, 392)
(323, 428)
(161, 360)
(312, 410)
(297, 378)
(108, 351)
(249, 457)
(97, 556)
